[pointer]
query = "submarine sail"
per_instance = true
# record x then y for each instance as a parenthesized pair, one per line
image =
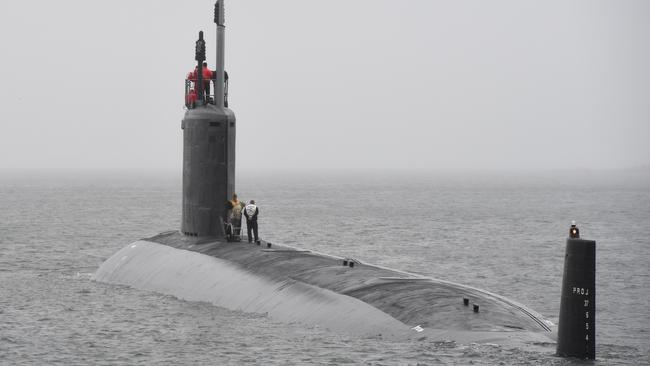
(209, 130)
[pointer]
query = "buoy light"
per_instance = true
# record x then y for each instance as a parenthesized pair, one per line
(574, 232)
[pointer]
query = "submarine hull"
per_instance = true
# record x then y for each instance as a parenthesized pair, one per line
(294, 285)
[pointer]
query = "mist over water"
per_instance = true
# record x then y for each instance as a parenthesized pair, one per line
(318, 86)
(501, 233)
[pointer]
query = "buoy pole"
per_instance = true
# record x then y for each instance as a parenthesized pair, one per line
(577, 324)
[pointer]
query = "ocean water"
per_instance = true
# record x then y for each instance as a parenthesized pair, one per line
(505, 234)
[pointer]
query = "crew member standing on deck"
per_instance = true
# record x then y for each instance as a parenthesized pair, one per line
(193, 76)
(251, 212)
(207, 76)
(236, 207)
(190, 98)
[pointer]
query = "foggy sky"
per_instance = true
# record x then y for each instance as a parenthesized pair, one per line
(331, 85)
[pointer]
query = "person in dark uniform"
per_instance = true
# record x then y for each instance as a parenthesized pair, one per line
(251, 212)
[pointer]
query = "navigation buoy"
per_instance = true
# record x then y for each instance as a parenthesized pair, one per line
(577, 324)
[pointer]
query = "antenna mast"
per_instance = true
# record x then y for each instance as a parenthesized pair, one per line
(219, 19)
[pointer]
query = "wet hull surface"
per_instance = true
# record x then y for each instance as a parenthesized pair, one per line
(295, 285)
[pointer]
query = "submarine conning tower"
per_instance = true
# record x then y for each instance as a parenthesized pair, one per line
(208, 145)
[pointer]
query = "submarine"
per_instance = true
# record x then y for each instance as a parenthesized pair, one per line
(199, 261)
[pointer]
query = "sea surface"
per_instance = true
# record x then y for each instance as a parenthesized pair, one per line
(502, 233)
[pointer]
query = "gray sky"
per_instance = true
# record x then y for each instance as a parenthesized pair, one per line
(321, 85)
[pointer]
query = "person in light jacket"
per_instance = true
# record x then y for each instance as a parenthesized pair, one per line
(236, 208)
(251, 211)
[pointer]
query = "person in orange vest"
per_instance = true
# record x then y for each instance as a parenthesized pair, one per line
(191, 76)
(207, 76)
(190, 99)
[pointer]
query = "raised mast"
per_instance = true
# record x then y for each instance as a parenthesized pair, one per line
(200, 57)
(219, 64)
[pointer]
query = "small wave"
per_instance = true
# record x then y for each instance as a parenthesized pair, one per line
(8, 339)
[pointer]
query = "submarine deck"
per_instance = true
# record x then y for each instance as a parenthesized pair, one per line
(411, 299)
